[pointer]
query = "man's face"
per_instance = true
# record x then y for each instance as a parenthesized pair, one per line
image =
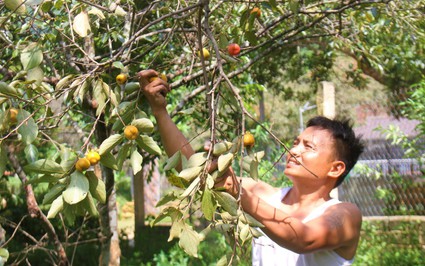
(312, 154)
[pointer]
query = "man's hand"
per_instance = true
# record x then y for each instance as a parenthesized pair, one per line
(154, 91)
(230, 182)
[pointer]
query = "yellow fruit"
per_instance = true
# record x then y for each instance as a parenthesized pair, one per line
(248, 140)
(121, 78)
(82, 164)
(13, 113)
(93, 157)
(131, 132)
(162, 76)
(256, 11)
(205, 52)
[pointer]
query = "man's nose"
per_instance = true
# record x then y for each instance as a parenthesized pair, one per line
(295, 150)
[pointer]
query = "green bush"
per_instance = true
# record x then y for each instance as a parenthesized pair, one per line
(391, 243)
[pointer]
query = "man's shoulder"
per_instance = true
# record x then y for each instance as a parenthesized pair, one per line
(346, 210)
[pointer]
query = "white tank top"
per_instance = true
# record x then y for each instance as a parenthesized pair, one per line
(265, 252)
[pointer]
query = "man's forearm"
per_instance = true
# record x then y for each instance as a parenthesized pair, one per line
(171, 137)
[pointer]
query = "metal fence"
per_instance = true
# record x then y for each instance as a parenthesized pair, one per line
(386, 187)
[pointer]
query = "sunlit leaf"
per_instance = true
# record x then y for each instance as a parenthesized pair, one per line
(77, 189)
(190, 173)
(191, 189)
(222, 147)
(224, 161)
(55, 208)
(81, 24)
(189, 241)
(173, 161)
(136, 161)
(197, 159)
(144, 125)
(109, 143)
(176, 229)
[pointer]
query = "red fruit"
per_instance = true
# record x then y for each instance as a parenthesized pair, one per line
(234, 49)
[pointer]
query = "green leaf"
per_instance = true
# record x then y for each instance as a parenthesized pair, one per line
(248, 219)
(176, 229)
(118, 64)
(294, 6)
(222, 147)
(131, 87)
(55, 208)
(170, 196)
(189, 241)
(53, 193)
(197, 159)
(136, 162)
(44, 166)
(31, 153)
(96, 187)
(88, 204)
(77, 189)
(35, 75)
(28, 129)
(191, 189)
(8, 90)
(148, 144)
(191, 173)
(16, 6)
(44, 179)
(109, 143)
(108, 160)
(173, 161)
(64, 82)
(224, 161)
(4, 253)
(227, 202)
(253, 169)
(245, 234)
(208, 204)
(31, 56)
(144, 125)
(3, 159)
(123, 154)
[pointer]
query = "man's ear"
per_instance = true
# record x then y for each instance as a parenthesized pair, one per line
(337, 169)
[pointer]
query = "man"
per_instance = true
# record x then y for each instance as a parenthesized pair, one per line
(303, 225)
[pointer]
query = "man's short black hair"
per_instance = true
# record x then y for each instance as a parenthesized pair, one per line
(347, 145)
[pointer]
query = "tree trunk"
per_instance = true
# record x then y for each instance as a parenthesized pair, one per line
(139, 202)
(110, 250)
